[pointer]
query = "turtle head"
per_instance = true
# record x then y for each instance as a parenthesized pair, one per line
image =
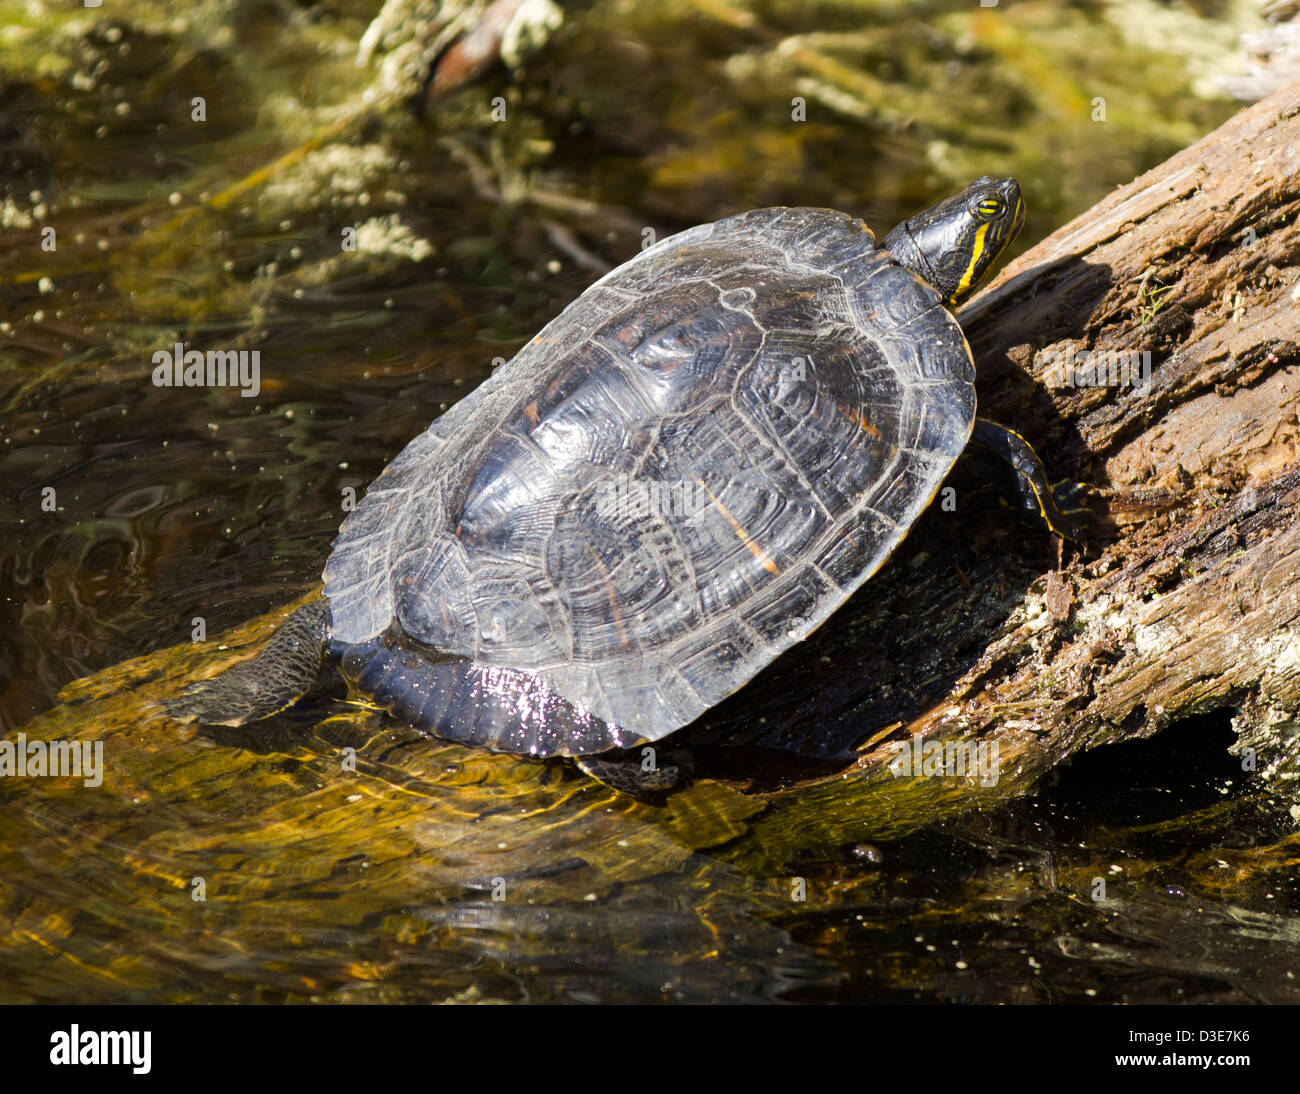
(954, 245)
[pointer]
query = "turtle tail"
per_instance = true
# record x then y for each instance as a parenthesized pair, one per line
(276, 678)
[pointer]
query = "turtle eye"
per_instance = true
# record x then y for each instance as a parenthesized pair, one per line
(989, 208)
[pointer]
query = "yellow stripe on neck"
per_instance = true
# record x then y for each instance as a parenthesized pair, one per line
(965, 281)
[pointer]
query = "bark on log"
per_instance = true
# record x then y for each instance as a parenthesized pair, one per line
(1188, 600)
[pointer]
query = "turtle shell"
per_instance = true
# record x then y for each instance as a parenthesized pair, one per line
(686, 472)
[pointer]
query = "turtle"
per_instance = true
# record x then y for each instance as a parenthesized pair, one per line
(683, 474)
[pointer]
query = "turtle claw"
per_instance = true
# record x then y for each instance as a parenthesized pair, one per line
(1060, 506)
(1069, 515)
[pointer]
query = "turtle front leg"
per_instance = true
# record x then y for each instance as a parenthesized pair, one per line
(1059, 505)
(276, 678)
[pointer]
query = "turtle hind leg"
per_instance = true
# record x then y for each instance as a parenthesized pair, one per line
(1060, 506)
(633, 772)
(276, 678)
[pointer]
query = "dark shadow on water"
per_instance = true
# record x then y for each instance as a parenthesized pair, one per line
(1183, 768)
